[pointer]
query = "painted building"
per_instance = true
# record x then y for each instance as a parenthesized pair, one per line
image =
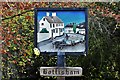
(79, 28)
(52, 24)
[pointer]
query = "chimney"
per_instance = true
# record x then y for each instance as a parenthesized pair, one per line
(54, 14)
(47, 13)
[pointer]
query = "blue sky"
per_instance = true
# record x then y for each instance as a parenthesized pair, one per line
(66, 16)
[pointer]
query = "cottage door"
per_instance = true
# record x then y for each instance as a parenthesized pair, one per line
(52, 34)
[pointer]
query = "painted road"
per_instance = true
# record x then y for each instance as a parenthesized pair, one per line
(46, 46)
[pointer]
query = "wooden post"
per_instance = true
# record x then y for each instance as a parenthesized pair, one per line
(61, 62)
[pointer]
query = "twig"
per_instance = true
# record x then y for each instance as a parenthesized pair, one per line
(16, 15)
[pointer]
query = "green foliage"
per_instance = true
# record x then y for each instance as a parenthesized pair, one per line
(18, 43)
(44, 30)
(101, 63)
(74, 28)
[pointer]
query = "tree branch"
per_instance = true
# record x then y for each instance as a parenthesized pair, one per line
(16, 15)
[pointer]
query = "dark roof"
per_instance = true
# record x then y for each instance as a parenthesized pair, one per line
(78, 26)
(53, 19)
(69, 25)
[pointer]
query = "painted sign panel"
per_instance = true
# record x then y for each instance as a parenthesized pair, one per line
(61, 30)
(60, 71)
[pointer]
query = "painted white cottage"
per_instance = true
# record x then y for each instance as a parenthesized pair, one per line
(52, 24)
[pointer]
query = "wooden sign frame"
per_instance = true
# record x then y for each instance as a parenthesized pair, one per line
(54, 12)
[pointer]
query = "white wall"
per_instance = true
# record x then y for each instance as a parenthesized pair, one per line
(82, 31)
(58, 27)
(46, 24)
(42, 36)
(69, 29)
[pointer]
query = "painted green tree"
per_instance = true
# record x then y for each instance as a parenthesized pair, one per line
(44, 30)
(74, 28)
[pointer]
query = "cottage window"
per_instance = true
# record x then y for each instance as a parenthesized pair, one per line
(53, 30)
(42, 24)
(53, 25)
(61, 29)
(43, 19)
(56, 24)
(69, 31)
(56, 30)
(50, 25)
